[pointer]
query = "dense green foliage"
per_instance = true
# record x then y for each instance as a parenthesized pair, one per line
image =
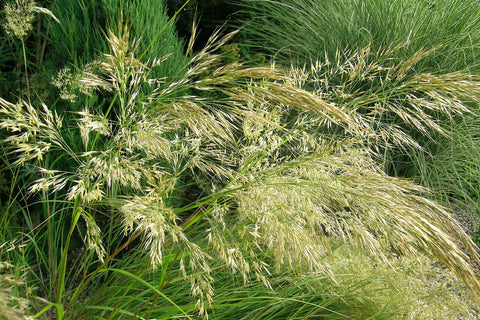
(356, 47)
(146, 177)
(302, 31)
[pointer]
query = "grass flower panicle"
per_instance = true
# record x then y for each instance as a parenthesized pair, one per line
(283, 173)
(391, 98)
(19, 17)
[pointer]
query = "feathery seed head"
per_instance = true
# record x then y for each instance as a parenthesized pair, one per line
(280, 186)
(93, 238)
(19, 17)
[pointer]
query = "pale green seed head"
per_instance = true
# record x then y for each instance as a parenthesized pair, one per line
(19, 17)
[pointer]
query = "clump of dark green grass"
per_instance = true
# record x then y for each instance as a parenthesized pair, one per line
(79, 37)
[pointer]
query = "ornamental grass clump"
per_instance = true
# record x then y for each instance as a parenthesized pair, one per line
(301, 31)
(283, 175)
(408, 69)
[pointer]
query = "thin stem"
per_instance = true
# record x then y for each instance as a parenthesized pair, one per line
(163, 29)
(26, 69)
(63, 261)
(51, 258)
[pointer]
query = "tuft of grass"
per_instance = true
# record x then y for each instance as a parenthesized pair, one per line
(80, 37)
(300, 31)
